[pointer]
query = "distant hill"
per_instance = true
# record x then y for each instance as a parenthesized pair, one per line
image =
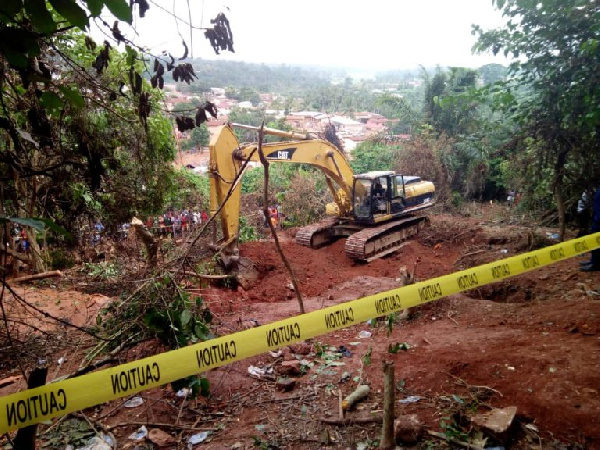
(283, 79)
(263, 77)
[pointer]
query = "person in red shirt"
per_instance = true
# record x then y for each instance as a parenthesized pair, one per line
(184, 221)
(24, 241)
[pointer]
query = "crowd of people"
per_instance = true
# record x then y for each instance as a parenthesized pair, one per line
(175, 223)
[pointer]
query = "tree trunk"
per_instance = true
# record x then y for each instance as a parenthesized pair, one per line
(35, 254)
(388, 440)
(38, 276)
(12, 264)
(149, 242)
(559, 174)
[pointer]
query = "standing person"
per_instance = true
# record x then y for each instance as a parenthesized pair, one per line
(511, 198)
(184, 222)
(150, 223)
(279, 216)
(204, 217)
(24, 242)
(168, 221)
(594, 263)
(273, 214)
(99, 227)
(583, 214)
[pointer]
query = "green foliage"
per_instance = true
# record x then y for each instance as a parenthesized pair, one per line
(71, 432)
(198, 385)
(176, 321)
(199, 137)
(28, 222)
(395, 348)
(93, 155)
(101, 271)
(448, 107)
(244, 94)
(60, 259)
(452, 429)
(19, 43)
(493, 73)
(395, 106)
(189, 190)
(366, 358)
(247, 232)
(553, 93)
(373, 155)
(304, 200)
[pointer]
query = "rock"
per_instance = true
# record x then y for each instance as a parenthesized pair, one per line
(496, 420)
(301, 348)
(161, 438)
(408, 429)
(248, 274)
(285, 384)
(291, 368)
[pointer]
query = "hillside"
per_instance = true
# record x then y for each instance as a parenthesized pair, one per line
(529, 342)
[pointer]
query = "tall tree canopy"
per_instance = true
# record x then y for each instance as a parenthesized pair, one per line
(553, 93)
(81, 130)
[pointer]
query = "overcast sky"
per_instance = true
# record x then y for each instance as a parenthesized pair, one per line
(370, 35)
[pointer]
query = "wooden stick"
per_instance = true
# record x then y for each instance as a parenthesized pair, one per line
(207, 277)
(38, 276)
(286, 263)
(470, 254)
(388, 440)
(351, 421)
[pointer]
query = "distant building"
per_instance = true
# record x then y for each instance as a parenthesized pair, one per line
(306, 120)
(345, 125)
(217, 92)
(351, 142)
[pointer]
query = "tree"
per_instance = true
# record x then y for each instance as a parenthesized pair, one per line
(448, 107)
(493, 73)
(81, 130)
(373, 154)
(199, 138)
(553, 94)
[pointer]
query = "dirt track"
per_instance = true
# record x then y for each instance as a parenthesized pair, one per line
(530, 342)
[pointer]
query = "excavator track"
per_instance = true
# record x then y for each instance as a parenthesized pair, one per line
(316, 235)
(372, 243)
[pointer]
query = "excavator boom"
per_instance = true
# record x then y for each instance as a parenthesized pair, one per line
(355, 201)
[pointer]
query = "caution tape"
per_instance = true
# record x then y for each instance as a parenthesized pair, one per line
(62, 397)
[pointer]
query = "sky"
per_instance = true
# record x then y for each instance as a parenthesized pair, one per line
(370, 35)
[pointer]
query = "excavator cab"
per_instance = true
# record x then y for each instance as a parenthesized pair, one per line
(379, 196)
(375, 196)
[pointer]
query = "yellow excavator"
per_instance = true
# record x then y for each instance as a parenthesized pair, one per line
(377, 211)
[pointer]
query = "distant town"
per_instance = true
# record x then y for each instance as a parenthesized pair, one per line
(350, 130)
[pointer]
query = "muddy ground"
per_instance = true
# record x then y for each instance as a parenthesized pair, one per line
(530, 342)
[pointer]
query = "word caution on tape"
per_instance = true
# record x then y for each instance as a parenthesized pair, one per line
(62, 397)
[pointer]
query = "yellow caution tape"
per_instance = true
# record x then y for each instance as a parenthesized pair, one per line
(62, 397)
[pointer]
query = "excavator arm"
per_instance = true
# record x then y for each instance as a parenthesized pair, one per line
(228, 160)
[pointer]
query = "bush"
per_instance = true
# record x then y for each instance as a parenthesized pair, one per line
(60, 259)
